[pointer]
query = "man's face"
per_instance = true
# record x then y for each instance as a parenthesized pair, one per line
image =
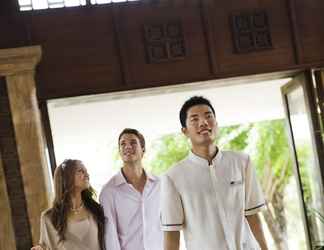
(130, 148)
(201, 125)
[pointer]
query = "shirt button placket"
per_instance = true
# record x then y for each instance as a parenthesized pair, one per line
(222, 213)
(143, 217)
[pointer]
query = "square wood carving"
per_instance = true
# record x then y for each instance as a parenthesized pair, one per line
(164, 42)
(251, 31)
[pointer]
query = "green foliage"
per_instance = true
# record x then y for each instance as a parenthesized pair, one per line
(271, 148)
(304, 154)
(168, 150)
(234, 137)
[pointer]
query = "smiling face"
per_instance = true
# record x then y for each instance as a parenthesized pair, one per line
(130, 148)
(81, 177)
(201, 125)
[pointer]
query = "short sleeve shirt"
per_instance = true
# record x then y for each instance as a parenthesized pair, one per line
(209, 202)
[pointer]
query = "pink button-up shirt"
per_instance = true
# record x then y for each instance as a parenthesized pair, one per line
(132, 218)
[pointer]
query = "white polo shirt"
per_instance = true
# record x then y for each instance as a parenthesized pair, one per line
(210, 202)
(132, 218)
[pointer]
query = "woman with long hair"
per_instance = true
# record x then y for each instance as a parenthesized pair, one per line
(75, 221)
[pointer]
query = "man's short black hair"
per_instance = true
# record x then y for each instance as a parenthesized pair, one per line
(134, 132)
(193, 101)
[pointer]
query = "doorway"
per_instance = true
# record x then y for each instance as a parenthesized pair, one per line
(87, 128)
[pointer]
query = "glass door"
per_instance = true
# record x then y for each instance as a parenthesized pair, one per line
(304, 123)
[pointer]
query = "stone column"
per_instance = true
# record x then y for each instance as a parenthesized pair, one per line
(18, 67)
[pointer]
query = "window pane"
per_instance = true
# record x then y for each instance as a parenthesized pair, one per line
(24, 2)
(101, 1)
(40, 4)
(24, 8)
(50, 2)
(69, 3)
(45, 4)
(56, 5)
(307, 165)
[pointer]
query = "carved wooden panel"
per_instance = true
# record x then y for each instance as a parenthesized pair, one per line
(181, 45)
(164, 42)
(251, 31)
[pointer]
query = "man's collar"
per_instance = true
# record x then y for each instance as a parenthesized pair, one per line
(202, 161)
(120, 178)
(151, 177)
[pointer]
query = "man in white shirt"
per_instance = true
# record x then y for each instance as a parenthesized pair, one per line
(131, 200)
(212, 195)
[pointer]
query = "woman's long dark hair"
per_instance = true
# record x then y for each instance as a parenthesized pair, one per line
(63, 185)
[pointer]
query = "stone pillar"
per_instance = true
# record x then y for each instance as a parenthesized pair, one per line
(18, 67)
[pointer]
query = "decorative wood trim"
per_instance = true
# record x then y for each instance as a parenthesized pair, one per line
(121, 45)
(298, 50)
(13, 61)
(206, 16)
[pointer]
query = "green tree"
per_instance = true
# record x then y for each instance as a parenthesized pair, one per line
(168, 150)
(271, 156)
